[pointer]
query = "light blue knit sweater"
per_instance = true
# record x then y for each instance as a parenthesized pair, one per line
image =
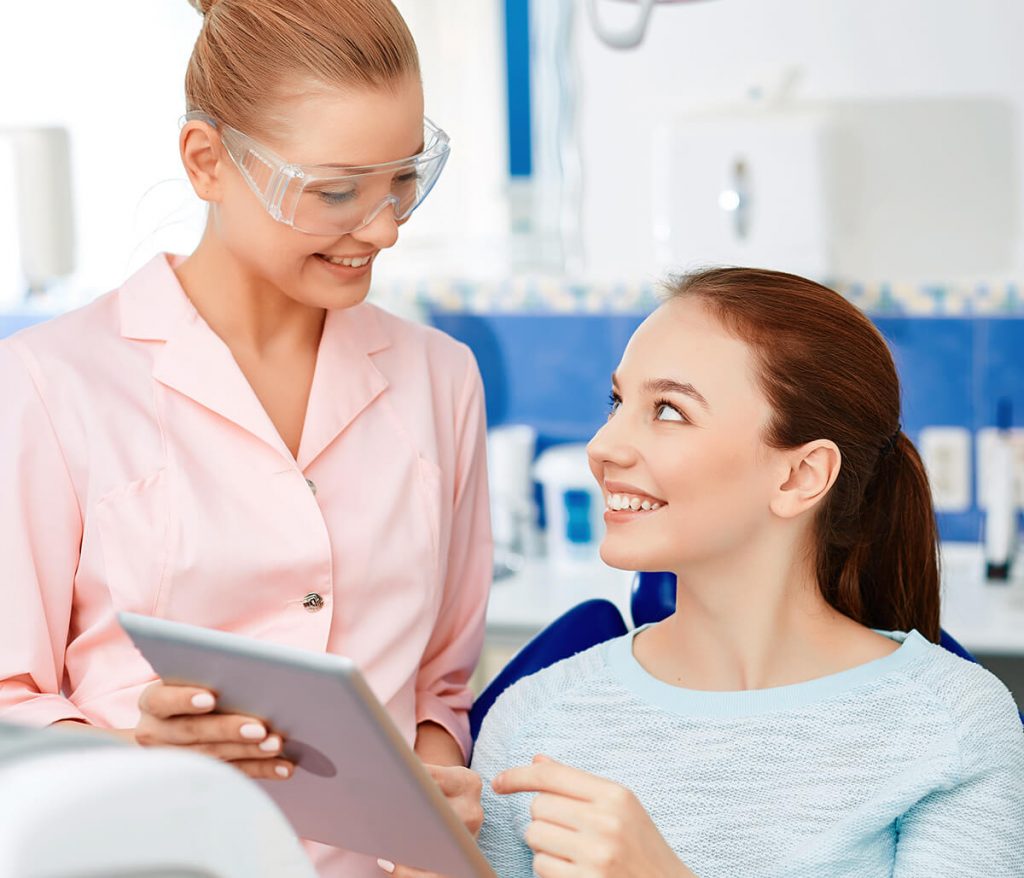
(910, 765)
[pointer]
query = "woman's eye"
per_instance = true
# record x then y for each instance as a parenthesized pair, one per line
(405, 182)
(667, 412)
(613, 404)
(336, 197)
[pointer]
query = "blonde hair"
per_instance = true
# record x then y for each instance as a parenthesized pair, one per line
(248, 50)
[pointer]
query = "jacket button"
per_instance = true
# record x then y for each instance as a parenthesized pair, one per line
(312, 486)
(313, 602)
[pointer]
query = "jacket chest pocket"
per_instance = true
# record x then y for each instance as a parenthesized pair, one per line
(133, 524)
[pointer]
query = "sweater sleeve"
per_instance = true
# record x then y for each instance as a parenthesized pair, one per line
(501, 838)
(974, 828)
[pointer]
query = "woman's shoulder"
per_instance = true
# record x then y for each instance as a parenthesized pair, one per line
(411, 335)
(973, 701)
(530, 697)
(424, 361)
(73, 339)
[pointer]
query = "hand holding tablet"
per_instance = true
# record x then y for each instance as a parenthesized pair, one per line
(184, 716)
(356, 782)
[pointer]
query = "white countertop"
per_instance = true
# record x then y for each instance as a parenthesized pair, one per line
(984, 617)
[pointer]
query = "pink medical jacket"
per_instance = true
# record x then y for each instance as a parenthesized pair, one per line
(139, 472)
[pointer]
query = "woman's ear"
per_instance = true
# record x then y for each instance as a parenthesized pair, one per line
(812, 471)
(200, 154)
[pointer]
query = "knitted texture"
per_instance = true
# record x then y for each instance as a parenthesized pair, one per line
(910, 765)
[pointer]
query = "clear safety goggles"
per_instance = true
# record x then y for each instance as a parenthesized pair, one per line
(333, 199)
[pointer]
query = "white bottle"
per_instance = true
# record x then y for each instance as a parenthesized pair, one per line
(573, 506)
(1001, 515)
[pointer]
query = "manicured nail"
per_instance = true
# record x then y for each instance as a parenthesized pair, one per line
(386, 865)
(270, 744)
(497, 782)
(203, 700)
(253, 731)
(281, 770)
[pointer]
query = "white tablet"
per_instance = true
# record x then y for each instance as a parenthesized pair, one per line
(357, 784)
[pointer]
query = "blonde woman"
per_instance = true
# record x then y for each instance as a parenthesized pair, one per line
(237, 439)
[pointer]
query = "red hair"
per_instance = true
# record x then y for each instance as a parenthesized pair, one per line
(827, 373)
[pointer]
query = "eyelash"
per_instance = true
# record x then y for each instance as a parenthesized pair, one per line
(614, 401)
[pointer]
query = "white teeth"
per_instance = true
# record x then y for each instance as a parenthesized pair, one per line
(625, 502)
(351, 262)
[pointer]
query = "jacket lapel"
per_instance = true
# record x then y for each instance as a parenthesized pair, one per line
(346, 380)
(195, 362)
(192, 360)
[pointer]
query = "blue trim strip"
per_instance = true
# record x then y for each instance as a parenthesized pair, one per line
(517, 69)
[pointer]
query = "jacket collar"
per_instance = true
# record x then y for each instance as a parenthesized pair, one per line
(195, 362)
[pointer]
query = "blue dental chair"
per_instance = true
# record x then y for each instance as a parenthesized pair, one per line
(595, 621)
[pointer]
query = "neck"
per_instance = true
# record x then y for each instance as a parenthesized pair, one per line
(754, 620)
(246, 312)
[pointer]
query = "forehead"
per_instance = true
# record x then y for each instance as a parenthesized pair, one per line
(682, 341)
(316, 124)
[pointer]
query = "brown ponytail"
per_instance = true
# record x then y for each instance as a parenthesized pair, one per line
(828, 374)
(248, 51)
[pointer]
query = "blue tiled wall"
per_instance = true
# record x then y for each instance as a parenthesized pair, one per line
(552, 371)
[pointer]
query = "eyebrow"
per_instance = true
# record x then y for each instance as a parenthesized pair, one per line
(668, 385)
(335, 166)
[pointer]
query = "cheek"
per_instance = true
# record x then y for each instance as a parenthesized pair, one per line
(716, 498)
(715, 503)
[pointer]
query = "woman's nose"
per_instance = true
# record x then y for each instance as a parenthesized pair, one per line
(609, 445)
(382, 230)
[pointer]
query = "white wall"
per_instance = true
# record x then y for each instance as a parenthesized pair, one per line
(701, 54)
(113, 74)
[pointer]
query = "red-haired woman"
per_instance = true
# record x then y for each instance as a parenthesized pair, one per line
(794, 716)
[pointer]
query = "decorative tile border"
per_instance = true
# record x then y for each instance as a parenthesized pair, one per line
(987, 299)
(558, 296)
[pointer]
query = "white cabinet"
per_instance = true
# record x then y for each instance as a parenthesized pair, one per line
(884, 190)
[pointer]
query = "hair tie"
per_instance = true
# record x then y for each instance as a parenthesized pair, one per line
(889, 446)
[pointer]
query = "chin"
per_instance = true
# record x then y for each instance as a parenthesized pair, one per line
(627, 558)
(340, 296)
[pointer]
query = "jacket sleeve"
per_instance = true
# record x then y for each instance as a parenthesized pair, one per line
(40, 542)
(442, 685)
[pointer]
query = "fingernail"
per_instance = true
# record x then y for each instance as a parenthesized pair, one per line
(497, 782)
(386, 865)
(281, 770)
(203, 700)
(271, 744)
(253, 731)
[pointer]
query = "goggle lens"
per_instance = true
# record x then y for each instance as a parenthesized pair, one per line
(346, 204)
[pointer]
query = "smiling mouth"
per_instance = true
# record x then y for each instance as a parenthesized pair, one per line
(632, 503)
(347, 261)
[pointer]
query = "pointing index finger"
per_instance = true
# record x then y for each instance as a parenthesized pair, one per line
(547, 776)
